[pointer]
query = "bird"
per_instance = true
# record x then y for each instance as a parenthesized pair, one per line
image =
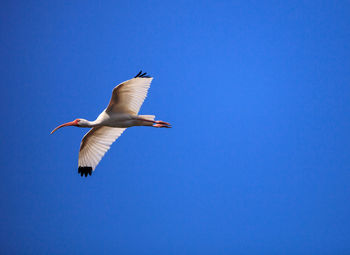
(121, 113)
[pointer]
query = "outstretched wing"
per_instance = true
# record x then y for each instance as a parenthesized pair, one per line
(94, 145)
(128, 96)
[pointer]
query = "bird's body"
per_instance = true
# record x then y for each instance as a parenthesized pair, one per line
(119, 119)
(121, 113)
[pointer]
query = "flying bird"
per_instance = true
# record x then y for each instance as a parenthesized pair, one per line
(121, 113)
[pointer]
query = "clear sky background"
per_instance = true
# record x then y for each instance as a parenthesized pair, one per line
(257, 161)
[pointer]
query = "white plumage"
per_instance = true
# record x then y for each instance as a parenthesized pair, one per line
(95, 144)
(121, 113)
(128, 96)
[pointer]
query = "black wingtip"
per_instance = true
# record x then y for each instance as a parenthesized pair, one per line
(85, 170)
(142, 75)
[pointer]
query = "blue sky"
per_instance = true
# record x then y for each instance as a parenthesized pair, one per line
(257, 161)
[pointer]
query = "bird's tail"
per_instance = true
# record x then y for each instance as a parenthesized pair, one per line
(147, 117)
(145, 120)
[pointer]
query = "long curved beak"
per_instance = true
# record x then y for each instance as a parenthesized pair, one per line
(72, 123)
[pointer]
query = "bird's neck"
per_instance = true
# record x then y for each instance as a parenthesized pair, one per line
(90, 124)
(97, 122)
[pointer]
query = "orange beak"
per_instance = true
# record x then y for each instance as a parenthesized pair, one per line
(72, 123)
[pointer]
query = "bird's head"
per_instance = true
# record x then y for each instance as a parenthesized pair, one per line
(76, 123)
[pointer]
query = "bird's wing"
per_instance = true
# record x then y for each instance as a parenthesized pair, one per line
(128, 96)
(94, 145)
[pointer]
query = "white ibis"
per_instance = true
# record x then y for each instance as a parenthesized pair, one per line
(121, 113)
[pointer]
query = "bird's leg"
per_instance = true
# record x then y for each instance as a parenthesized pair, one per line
(160, 124)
